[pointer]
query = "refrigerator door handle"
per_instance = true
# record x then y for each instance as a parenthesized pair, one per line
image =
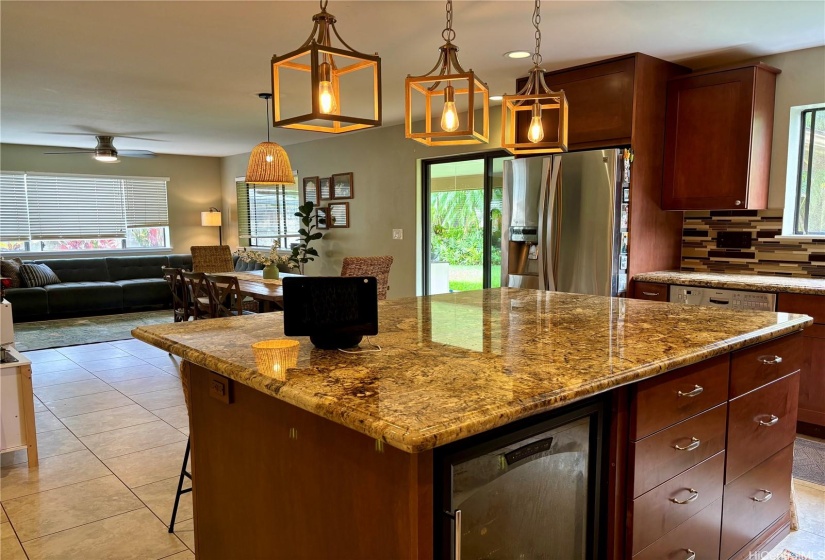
(456, 516)
(543, 248)
(547, 256)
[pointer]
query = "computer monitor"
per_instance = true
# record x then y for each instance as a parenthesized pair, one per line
(334, 311)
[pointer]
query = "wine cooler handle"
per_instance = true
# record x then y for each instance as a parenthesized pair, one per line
(457, 534)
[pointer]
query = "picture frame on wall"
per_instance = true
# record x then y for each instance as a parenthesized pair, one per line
(311, 191)
(324, 188)
(623, 262)
(342, 186)
(338, 214)
(321, 218)
(626, 194)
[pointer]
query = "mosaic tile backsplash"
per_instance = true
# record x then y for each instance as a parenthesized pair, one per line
(766, 256)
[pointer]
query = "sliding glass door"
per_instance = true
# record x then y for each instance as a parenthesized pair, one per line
(462, 222)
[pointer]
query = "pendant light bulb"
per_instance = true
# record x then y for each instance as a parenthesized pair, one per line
(536, 132)
(449, 118)
(326, 94)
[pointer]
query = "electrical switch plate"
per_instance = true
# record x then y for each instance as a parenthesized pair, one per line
(220, 388)
(733, 240)
(398, 234)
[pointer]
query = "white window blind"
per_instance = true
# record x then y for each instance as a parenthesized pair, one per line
(146, 204)
(14, 217)
(267, 213)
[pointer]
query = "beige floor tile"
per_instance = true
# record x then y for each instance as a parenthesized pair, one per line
(10, 548)
(184, 431)
(802, 543)
(185, 555)
(147, 385)
(56, 365)
(53, 472)
(811, 506)
(175, 416)
(160, 399)
(91, 355)
(3, 517)
(87, 403)
(146, 467)
(160, 497)
(111, 419)
(185, 530)
(49, 444)
(40, 356)
(123, 441)
(111, 363)
(59, 377)
(39, 406)
(84, 348)
(127, 373)
(141, 349)
(70, 506)
(129, 536)
(163, 361)
(69, 390)
(46, 422)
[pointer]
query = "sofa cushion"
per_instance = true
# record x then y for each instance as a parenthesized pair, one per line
(28, 303)
(10, 268)
(243, 266)
(38, 275)
(183, 261)
(129, 268)
(143, 292)
(85, 297)
(79, 270)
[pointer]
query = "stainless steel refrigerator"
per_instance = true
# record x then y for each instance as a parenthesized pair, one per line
(565, 223)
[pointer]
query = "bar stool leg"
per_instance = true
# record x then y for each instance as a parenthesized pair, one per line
(181, 490)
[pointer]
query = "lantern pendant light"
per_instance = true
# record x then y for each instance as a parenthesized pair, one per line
(438, 90)
(322, 107)
(546, 109)
(268, 162)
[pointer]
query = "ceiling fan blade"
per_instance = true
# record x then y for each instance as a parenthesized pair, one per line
(74, 152)
(136, 153)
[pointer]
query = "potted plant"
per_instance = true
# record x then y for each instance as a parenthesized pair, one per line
(302, 253)
(270, 260)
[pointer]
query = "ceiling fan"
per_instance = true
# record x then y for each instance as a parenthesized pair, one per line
(105, 151)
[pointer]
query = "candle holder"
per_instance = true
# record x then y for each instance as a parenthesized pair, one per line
(274, 357)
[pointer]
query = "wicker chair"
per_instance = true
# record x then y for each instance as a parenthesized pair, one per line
(378, 267)
(212, 258)
(198, 293)
(181, 307)
(225, 296)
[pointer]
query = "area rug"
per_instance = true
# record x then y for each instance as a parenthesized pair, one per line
(39, 335)
(809, 460)
(788, 555)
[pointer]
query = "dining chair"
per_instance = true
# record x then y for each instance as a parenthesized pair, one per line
(198, 292)
(181, 306)
(184, 474)
(225, 296)
(377, 267)
(212, 258)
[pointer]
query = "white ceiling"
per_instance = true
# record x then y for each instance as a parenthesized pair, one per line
(182, 76)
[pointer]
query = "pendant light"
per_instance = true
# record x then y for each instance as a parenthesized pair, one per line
(268, 162)
(529, 117)
(437, 90)
(322, 108)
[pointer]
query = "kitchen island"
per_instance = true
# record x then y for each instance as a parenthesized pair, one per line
(335, 459)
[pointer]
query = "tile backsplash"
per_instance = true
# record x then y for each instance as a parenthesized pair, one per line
(767, 256)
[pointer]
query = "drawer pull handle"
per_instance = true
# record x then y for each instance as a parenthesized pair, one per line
(768, 496)
(693, 495)
(651, 293)
(770, 360)
(771, 422)
(691, 553)
(697, 390)
(694, 443)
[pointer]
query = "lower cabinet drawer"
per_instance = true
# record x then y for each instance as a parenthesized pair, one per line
(667, 506)
(651, 291)
(755, 500)
(762, 363)
(761, 423)
(673, 450)
(698, 535)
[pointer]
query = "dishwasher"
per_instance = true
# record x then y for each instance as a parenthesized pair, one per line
(732, 299)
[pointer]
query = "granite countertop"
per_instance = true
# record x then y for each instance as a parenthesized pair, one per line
(455, 365)
(753, 282)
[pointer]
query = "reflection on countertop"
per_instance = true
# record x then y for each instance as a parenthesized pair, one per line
(795, 285)
(454, 365)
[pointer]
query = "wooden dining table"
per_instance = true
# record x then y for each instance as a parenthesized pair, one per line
(267, 291)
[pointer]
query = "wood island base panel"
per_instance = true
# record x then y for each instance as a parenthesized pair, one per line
(335, 458)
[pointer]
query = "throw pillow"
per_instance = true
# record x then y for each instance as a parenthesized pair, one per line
(10, 268)
(38, 275)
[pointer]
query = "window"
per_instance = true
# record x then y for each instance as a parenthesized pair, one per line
(266, 214)
(809, 211)
(42, 212)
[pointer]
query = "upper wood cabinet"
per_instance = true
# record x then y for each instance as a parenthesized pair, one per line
(718, 133)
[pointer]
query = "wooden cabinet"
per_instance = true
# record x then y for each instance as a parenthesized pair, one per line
(650, 290)
(718, 135)
(698, 535)
(811, 419)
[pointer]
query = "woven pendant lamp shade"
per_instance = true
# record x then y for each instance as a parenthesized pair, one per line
(269, 165)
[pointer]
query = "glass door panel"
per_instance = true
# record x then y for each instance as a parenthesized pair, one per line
(494, 222)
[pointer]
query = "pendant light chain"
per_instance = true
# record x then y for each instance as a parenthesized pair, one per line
(536, 23)
(267, 118)
(448, 34)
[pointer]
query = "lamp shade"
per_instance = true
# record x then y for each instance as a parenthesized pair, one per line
(210, 218)
(269, 165)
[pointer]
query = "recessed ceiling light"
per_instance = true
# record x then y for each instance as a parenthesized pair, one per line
(496, 97)
(517, 54)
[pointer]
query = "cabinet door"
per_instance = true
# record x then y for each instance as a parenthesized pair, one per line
(812, 382)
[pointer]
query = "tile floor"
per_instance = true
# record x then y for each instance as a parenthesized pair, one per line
(112, 429)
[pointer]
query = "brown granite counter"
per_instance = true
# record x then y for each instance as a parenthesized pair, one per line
(815, 286)
(455, 365)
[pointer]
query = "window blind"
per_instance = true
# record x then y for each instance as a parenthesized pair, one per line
(146, 204)
(14, 216)
(267, 212)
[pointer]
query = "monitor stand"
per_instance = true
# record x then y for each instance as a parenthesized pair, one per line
(335, 341)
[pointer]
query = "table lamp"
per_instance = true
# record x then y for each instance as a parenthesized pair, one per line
(213, 218)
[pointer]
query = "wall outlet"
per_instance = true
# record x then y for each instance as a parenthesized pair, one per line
(398, 234)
